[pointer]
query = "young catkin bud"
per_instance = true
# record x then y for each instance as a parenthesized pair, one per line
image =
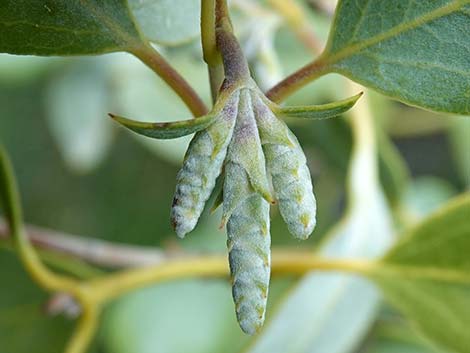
(249, 251)
(287, 166)
(201, 167)
(246, 212)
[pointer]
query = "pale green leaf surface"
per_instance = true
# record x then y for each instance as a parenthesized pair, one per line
(426, 194)
(77, 104)
(188, 316)
(329, 312)
(415, 51)
(427, 276)
(66, 27)
(168, 22)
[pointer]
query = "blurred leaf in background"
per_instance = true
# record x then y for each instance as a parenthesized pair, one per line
(391, 334)
(77, 103)
(173, 318)
(426, 275)
(168, 22)
(426, 194)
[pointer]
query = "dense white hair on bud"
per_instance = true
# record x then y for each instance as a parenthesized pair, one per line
(248, 242)
(289, 172)
(246, 212)
(201, 167)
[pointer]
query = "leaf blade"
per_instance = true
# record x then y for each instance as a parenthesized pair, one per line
(426, 276)
(72, 27)
(411, 55)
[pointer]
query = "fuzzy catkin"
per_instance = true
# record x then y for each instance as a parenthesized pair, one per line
(249, 251)
(246, 212)
(201, 167)
(245, 148)
(289, 172)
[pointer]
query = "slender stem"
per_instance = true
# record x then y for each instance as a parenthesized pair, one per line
(235, 64)
(283, 263)
(83, 334)
(159, 65)
(11, 201)
(298, 79)
(209, 47)
(221, 13)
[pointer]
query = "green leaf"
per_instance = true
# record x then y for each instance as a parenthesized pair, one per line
(66, 27)
(414, 51)
(167, 130)
(323, 111)
(168, 22)
(427, 275)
